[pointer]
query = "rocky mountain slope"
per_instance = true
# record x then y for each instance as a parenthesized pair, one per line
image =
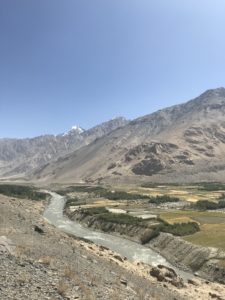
(20, 156)
(181, 143)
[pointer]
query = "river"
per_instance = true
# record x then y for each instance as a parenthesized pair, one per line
(133, 251)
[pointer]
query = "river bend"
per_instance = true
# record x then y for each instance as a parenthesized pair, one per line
(133, 251)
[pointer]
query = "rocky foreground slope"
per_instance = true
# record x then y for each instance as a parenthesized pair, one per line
(39, 262)
(181, 143)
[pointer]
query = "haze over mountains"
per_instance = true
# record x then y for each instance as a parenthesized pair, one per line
(185, 142)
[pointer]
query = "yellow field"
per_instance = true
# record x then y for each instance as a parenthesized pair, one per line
(192, 215)
(101, 203)
(187, 193)
(212, 225)
(211, 235)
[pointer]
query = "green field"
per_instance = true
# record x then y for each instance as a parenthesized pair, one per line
(211, 223)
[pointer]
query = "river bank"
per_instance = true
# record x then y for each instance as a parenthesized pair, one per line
(54, 265)
(133, 251)
(206, 262)
(55, 214)
(41, 262)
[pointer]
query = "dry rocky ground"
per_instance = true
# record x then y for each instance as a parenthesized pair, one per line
(39, 262)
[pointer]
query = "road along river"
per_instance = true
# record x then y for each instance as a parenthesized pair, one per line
(133, 251)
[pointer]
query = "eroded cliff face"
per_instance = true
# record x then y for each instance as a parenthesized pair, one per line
(203, 260)
(132, 232)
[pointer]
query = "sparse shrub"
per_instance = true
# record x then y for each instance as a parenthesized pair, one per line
(69, 272)
(21, 251)
(24, 277)
(62, 288)
(46, 260)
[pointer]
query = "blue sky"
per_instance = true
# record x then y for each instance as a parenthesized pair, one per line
(67, 62)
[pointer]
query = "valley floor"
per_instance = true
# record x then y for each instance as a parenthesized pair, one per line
(51, 265)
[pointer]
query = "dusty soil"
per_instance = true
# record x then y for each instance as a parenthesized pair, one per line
(52, 265)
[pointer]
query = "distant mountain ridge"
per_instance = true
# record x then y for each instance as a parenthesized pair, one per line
(21, 156)
(184, 142)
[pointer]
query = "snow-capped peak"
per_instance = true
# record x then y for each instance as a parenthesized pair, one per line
(75, 128)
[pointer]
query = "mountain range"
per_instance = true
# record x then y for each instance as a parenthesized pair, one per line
(182, 143)
(19, 157)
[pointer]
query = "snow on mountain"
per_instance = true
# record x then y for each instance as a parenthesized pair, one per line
(75, 129)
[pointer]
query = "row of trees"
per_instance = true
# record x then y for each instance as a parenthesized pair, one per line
(208, 205)
(20, 191)
(178, 229)
(163, 199)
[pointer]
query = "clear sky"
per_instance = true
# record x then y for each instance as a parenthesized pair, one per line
(67, 62)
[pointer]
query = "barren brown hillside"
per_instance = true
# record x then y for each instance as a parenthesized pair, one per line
(181, 143)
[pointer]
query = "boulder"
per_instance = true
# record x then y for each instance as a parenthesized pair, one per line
(38, 229)
(166, 274)
(6, 245)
